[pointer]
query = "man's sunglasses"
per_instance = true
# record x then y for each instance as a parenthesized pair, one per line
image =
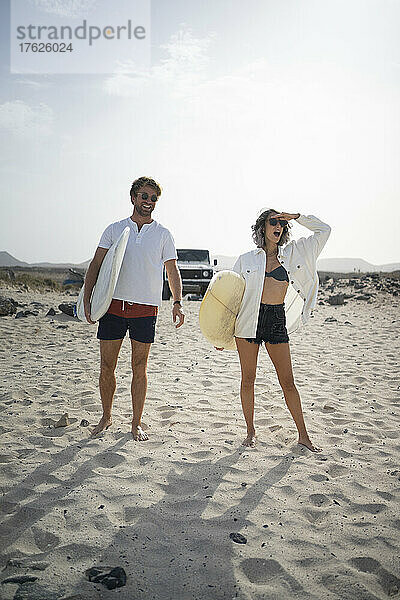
(274, 222)
(145, 196)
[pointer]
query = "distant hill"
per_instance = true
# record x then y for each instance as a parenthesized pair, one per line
(6, 260)
(349, 265)
(335, 265)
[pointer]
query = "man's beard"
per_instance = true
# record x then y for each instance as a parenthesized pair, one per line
(143, 213)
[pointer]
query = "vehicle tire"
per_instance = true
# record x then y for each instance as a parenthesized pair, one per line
(166, 292)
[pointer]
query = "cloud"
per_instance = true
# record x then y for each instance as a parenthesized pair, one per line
(184, 67)
(65, 8)
(24, 120)
(34, 84)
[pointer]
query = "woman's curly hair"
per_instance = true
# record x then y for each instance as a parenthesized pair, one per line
(141, 182)
(258, 229)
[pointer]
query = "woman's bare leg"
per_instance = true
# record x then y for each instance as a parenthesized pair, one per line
(248, 354)
(280, 356)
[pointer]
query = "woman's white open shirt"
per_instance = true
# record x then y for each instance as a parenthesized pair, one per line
(299, 257)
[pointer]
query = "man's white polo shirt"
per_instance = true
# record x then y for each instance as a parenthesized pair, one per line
(141, 277)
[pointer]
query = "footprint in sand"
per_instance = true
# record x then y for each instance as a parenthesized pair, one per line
(373, 508)
(319, 477)
(368, 439)
(145, 460)
(319, 499)
(201, 454)
(314, 516)
(389, 582)
(44, 540)
(108, 460)
(342, 585)
(337, 470)
(167, 415)
(263, 571)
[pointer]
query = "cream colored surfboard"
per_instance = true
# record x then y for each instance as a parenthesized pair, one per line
(106, 280)
(220, 307)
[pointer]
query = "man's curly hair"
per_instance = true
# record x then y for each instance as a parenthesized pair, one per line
(258, 229)
(141, 182)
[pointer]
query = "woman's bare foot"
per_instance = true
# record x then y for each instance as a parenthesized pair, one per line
(251, 440)
(103, 424)
(305, 441)
(138, 434)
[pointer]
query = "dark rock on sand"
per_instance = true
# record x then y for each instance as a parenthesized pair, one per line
(365, 297)
(26, 313)
(84, 423)
(238, 538)
(20, 579)
(8, 306)
(67, 308)
(336, 300)
(110, 577)
(51, 313)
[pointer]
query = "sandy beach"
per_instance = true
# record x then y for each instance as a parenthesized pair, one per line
(317, 526)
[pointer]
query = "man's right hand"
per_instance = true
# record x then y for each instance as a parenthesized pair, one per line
(87, 313)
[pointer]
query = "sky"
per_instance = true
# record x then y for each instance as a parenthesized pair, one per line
(285, 104)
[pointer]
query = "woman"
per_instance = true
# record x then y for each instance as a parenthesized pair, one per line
(276, 271)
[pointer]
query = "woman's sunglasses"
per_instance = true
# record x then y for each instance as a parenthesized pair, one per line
(145, 196)
(274, 222)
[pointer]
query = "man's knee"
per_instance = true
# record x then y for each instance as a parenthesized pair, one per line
(107, 368)
(139, 364)
(139, 369)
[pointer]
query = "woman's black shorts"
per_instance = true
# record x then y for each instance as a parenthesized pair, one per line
(271, 326)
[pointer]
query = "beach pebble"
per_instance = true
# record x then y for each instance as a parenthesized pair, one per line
(51, 313)
(63, 421)
(331, 320)
(110, 577)
(84, 423)
(238, 538)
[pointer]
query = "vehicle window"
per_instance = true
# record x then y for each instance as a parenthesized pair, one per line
(193, 256)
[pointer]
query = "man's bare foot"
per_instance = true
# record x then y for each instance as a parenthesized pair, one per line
(305, 441)
(250, 441)
(138, 434)
(103, 424)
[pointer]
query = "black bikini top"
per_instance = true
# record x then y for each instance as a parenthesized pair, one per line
(280, 274)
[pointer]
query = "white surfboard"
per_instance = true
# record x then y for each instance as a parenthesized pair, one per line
(106, 280)
(220, 307)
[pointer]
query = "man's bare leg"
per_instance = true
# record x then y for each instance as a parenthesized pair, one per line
(140, 355)
(248, 354)
(109, 350)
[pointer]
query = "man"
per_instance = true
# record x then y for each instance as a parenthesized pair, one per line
(136, 298)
